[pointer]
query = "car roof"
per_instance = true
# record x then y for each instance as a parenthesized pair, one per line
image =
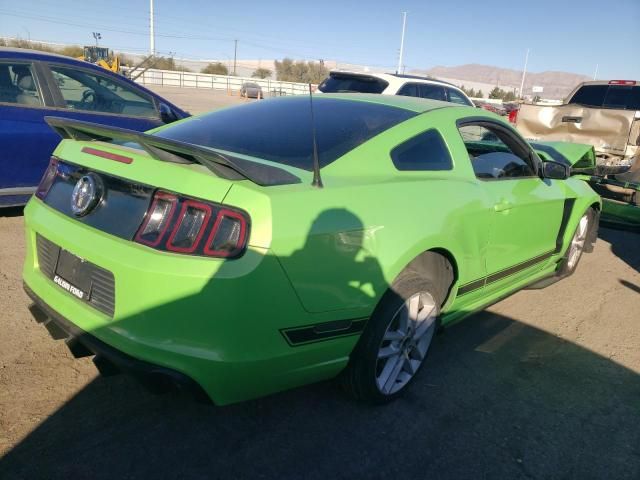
(414, 104)
(38, 55)
(608, 82)
(396, 78)
(421, 77)
(34, 54)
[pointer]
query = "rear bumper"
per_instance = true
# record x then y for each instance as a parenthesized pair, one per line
(108, 359)
(217, 323)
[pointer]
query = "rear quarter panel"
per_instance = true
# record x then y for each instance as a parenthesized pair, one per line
(343, 245)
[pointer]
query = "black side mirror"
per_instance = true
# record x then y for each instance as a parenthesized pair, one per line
(555, 170)
(166, 114)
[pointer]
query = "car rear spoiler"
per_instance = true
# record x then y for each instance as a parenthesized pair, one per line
(167, 150)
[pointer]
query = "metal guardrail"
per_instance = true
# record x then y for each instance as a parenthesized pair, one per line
(170, 78)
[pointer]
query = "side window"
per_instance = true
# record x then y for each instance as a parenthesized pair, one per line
(495, 153)
(457, 97)
(409, 90)
(435, 92)
(426, 151)
(18, 85)
(83, 90)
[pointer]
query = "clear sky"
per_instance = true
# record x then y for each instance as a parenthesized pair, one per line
(564, 35)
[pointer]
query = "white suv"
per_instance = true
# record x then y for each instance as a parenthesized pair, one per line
(393, 84)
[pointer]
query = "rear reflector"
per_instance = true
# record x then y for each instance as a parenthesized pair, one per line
(107, 155)
(622, 82)
(225, 229)
(47, 179)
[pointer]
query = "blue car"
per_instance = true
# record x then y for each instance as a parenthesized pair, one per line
(36, 84)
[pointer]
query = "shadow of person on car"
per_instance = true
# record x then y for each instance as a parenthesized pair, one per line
(336, 267)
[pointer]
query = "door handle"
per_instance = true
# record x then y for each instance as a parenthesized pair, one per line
(569, 119)
(503, 205)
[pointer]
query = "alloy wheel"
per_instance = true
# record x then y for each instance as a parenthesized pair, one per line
(406, 342)
(577, 242)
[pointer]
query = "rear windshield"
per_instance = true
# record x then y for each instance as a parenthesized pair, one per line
(624, 97)
(340, 82)
(279, 130)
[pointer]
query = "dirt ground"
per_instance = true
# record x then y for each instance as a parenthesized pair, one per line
(545, 384)
(198, 100)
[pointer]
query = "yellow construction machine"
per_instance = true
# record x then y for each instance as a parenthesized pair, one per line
(101, 56)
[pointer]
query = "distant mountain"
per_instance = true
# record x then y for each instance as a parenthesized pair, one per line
(555, 84)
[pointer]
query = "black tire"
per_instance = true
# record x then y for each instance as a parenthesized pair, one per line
(360, 378)
(569, 265)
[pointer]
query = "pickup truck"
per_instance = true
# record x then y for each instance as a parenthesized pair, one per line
(605, 114)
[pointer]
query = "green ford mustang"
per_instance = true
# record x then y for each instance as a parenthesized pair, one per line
(201, 254)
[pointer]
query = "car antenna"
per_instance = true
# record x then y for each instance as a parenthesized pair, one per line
(317, 181)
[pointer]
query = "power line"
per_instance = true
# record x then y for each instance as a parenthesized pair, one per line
(140, 30)
(103, 27)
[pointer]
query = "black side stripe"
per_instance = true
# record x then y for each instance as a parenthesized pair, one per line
(566, 215)
(494, 277)
(322, 331)
(471, 286)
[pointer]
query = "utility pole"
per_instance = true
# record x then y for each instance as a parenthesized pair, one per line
(524, 73)
(404, 23)
(96, 36)
(596, 72)
(152, 37)
(235, 56)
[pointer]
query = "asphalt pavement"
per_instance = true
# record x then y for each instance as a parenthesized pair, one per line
(545, 384)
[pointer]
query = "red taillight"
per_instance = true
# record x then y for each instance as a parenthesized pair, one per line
(190, 227)
(47, 179)
(622, 82)
(513, 116)
(199, 228)
(228, 235)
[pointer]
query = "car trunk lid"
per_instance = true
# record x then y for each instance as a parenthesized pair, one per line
(608, 130)
(126, 168)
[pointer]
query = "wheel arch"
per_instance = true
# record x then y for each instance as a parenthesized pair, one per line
(592, 236)
(428, 260)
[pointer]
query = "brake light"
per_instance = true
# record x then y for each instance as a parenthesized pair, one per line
(622, 82)
(198, 227)
(47, 179)
(108, 155)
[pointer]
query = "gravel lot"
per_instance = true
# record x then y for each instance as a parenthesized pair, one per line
(545, 384)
